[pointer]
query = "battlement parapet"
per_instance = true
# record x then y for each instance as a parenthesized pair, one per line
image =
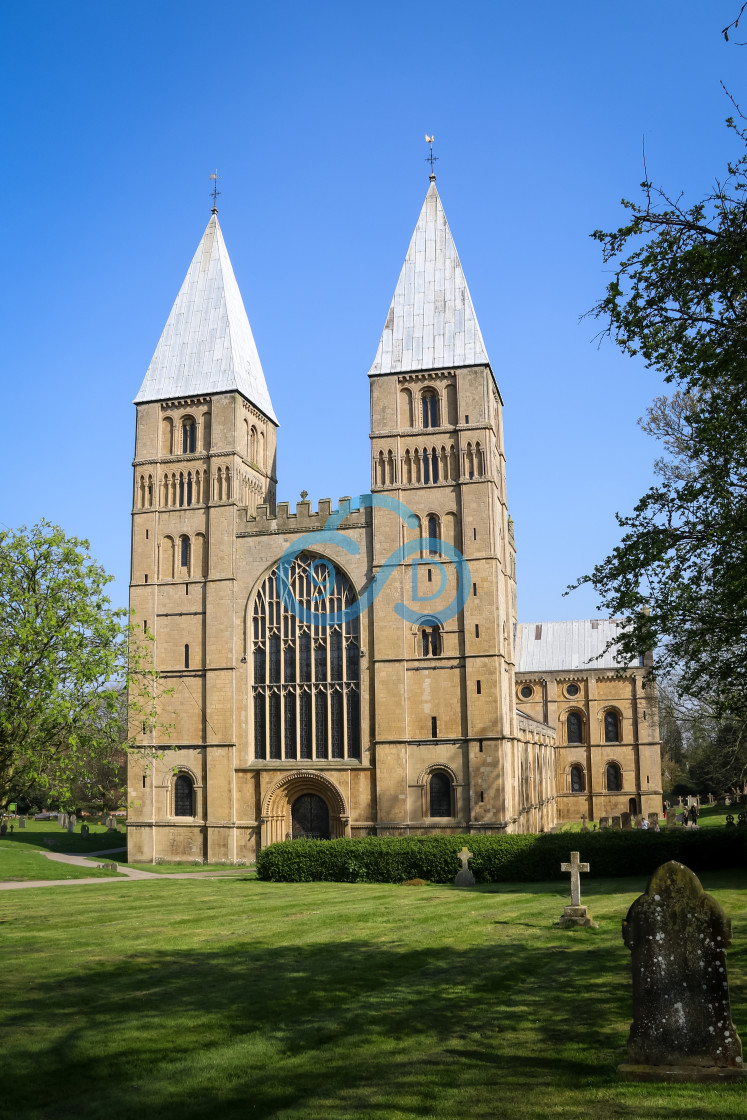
(305, 518)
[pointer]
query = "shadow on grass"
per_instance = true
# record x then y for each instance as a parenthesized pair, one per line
(327, 1031)
(68, 843)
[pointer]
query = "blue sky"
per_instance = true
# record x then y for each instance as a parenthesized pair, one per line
(315, 116)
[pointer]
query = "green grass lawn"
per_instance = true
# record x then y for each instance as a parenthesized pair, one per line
(178, 868)
(20, 863)
(235, 998)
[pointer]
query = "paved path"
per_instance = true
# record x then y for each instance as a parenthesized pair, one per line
(125, 874)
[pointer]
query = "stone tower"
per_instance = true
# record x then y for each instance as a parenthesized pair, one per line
(205, 446)
(437, 448)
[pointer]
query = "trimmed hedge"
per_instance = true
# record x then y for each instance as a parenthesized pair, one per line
(497, 859)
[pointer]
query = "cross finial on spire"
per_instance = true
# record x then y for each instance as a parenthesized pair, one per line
(431, 159)
(215, 192)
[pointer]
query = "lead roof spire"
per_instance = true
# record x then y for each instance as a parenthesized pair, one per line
(207, 345)
(431, 322)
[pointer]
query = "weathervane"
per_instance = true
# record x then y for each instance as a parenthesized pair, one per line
(431, 159)
(215, 192)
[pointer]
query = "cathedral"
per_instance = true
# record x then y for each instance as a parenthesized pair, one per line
(357, 668)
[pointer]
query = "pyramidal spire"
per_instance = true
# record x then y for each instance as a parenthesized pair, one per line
(207, 344)
(431, 320)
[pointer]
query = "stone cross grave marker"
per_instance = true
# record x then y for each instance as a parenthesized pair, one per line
(464, 877)
(575, 914)
(583, 823)
(682, 1029)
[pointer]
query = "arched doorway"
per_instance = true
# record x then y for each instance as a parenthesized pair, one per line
(310, 818)
(632, 806)
(303, 803)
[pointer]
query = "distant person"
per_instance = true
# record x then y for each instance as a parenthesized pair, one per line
(685, 817)
(644, 824)
(11, 829)
(694, 815)
(656, 825)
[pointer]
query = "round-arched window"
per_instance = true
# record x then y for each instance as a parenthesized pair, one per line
(574, 727)
(526, 692)
(578, 784)
(439, 794)
(183, 796)
(430, 405)
(611, 727)
(614, 778)
(189, 435)
(572, 690)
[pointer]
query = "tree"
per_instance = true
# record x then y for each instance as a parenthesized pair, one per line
(678, 297)
(64, 661)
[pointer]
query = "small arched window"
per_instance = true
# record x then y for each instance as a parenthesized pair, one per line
(186, 656)
(184, 552)
(574, 727)
(578, 781)
(189, 435)
(434, 535)
(439, 795)
(431, 410)
(611, 727)
(184, 796)
(430, 639)
(614, 778)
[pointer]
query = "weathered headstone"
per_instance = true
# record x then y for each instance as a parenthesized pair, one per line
(84, 830)
(583, 823)
(682, 1028)
(653, 820)
(71, 825)
(679, 801)
(604, 822)
(625, 821)
(21, 822)
(464, 877)
(74, 819)
(616, 822)
(63, 822)
(711, 799)
(672, 817)
(575, 914)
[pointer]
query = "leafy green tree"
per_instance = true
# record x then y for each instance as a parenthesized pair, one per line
(64, 662)
(678, 297)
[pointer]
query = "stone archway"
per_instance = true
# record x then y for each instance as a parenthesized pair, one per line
(278, 802)
(310, 817)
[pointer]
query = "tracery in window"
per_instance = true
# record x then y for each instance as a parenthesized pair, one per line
(306, 690)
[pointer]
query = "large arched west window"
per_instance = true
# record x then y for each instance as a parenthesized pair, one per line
(611, 727)
(439, 795)
(183, 796)
(574, 725)
(306, 676)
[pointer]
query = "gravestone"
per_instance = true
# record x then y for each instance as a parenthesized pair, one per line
(71, 825)
(74, 819)
(672, 817)
(59, 820)
(604, 822)
(464, 877)
(679, 802)
(575, 914)
(711, 799)
(682, 1029)
(583, 823)
(625, 821)
(84, 830)
(729, 822)
(22, 822)
(653, 820)
(616, 822)
(63, 822)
